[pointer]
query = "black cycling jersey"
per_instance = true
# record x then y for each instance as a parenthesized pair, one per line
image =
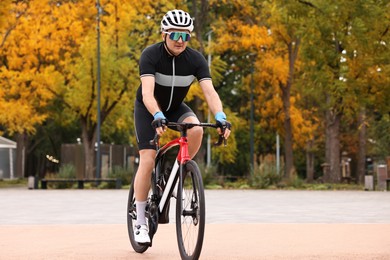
(173, 74)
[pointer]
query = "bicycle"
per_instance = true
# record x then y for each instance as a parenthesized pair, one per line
(183, 178)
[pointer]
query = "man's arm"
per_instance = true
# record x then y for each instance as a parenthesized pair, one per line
(150, 102)
(213, 101)
(148, 94)
(212, 97)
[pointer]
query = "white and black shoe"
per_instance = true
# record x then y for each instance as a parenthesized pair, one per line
(141, 234)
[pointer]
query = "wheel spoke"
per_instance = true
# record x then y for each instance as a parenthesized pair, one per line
(191, 219)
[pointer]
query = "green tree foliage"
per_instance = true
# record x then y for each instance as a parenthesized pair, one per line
(346, 41)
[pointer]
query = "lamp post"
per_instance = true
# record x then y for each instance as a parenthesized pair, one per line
(99, 11)
(277, 153)
(208, 162)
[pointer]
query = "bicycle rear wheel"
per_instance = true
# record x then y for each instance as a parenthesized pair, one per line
(190, 212)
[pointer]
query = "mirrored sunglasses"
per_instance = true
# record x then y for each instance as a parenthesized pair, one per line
(175, 36)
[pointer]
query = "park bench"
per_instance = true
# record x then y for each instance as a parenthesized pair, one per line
(80, 182)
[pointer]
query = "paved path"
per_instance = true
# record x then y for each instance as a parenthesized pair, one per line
(247, 224)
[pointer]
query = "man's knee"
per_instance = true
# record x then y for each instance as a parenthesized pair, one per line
(196, 133)
(147, 158)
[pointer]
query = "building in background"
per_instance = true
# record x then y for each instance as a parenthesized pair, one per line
(7, 158)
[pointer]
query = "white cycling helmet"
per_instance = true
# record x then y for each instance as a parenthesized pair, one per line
(177, 19)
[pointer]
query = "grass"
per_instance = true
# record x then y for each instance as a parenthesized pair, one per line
(295, 185)
(14, 183)
(333, 186)
(239, 184)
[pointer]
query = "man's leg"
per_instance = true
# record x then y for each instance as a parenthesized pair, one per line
(194, 136)
(147, 152)
(142, 182)
(141, 189)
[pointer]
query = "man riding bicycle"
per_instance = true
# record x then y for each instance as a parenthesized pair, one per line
(167, 70)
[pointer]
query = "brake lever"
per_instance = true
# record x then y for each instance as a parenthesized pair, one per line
(154, 141)
(221, 139)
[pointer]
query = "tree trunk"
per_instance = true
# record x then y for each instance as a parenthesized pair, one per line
(201, 14)
(89, 159)
(89, 139)
(288, 136)
(333, 146)
(293, 48)
(327, 148)
(361, 163)
(309, 161)
(20, 169)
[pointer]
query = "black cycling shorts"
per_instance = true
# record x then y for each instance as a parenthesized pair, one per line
(143, 122)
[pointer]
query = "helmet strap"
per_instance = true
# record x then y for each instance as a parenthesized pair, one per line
(166, 46)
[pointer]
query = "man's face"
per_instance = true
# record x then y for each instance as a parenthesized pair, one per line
(175, 46)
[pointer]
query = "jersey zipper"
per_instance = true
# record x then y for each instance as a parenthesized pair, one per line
(173, 83)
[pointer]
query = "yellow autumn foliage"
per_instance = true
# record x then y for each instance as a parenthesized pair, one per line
(248, 36)
(38, 37)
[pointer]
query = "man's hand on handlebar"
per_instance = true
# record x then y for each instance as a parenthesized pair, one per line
(159, 123)
(223, 125)
(224, 128)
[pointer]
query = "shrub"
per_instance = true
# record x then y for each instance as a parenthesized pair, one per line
(67, 171)
(295, 182)
(265, 175)
(209, 174)
(119, 172)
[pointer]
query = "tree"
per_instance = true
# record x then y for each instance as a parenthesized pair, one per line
(339, 53)
(28, 58)
(26, 68)
(367, 53)
(48, 53)
(238, 35)
(286, 26)
(126, 28)
(276, 42)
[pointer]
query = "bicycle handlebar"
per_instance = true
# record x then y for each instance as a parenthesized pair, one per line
(183, 127)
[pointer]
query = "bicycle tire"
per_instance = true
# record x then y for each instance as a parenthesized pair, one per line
(131, 217)
(191, 212)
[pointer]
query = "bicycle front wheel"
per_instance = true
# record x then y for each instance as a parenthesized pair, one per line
(190, 212)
